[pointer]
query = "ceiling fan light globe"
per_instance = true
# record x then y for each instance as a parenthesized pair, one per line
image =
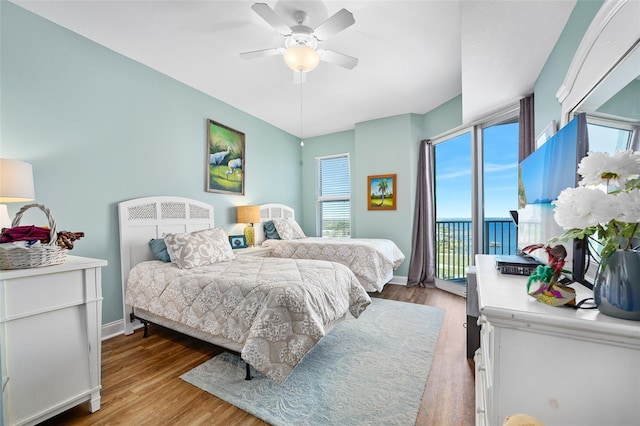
(301, 58)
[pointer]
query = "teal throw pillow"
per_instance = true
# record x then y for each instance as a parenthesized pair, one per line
(159, 249)
(270, 231)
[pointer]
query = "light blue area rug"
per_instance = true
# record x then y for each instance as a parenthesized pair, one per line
(366, 371)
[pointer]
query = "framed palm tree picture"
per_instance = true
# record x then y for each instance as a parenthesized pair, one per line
(225, 159)
(381, 192)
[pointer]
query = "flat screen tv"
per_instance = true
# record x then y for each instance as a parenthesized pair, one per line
(541, 177)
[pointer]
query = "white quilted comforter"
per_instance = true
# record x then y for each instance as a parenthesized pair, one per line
(372, 260)
(277, 309)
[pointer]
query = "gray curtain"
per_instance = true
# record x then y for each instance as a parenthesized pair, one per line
(422, 265)
(527, 139)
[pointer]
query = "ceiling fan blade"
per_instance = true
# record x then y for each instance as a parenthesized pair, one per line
(262, 53)
(272, 19)
(341, 59)
(336, 23)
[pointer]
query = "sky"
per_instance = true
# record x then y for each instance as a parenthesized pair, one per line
(453, 174)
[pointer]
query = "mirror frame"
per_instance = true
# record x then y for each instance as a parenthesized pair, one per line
(612, 34)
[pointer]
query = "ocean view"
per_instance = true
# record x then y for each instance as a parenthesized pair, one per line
(500, 233)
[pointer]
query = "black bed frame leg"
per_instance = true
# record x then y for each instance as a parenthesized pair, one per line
(132, 318)
(146, 328)
(248, 376)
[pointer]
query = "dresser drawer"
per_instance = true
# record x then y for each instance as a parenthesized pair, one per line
(41, 293)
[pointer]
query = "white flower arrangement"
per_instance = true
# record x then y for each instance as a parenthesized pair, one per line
(606, 202)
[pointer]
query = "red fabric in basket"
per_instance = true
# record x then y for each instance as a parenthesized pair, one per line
(25, 233)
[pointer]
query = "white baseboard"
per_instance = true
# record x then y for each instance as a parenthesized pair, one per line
(115, 328)
(399, 279)
(112, 329)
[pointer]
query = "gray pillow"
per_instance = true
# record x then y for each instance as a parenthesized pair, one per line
(199, 248)
(288, 229)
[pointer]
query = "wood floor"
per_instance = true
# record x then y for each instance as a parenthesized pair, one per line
(141, 384)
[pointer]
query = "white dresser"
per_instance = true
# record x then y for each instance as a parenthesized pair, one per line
(560, 365)
(50, 329)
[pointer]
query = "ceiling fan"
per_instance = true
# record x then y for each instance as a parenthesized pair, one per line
(300, 51)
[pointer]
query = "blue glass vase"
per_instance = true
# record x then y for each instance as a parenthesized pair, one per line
(617, 287)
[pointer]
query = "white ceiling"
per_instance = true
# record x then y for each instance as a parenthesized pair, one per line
(413, 55)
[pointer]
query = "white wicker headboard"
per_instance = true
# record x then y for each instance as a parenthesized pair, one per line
(269, 212)
(142, 219)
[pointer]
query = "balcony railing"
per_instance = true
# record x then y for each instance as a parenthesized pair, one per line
(453, 244)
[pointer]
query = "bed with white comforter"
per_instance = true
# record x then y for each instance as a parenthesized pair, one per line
(371, 260)
(275, 309)
(272, 311)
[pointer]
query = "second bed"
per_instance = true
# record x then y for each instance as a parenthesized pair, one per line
(372, 260)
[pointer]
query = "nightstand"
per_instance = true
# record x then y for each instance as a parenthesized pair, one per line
(253, 251)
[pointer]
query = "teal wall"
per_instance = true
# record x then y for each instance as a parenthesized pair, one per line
(99, 128)
(387, 146)
(547, 107)
(443, 118)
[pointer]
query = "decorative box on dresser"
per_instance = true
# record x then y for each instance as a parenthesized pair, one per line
(50, 339)
(561, 365)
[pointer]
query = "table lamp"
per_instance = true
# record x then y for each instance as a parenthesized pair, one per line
(16, 186)
(249, 215)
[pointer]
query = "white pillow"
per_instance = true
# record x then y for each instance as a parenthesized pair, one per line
(199, 248)
(288, 229)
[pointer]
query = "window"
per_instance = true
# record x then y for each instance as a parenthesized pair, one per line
(608, 136)
(334, 196)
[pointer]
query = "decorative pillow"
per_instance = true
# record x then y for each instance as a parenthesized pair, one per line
(199, 248)
(270, 231)
(159, 249)
(288, 229)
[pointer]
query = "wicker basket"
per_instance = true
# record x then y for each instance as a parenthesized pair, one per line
(35, 256)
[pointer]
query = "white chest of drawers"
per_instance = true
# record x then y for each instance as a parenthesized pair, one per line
(50, 329)
(560, 365)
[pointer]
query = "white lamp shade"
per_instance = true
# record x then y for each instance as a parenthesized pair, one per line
(16, 181)
(301, 58)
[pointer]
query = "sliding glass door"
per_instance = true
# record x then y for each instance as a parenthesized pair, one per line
(476, 190)
(453, 197)
(500, 188)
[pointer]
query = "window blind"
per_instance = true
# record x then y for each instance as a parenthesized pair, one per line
(334, 196)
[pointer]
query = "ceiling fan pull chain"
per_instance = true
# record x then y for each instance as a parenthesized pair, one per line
(301, 119)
